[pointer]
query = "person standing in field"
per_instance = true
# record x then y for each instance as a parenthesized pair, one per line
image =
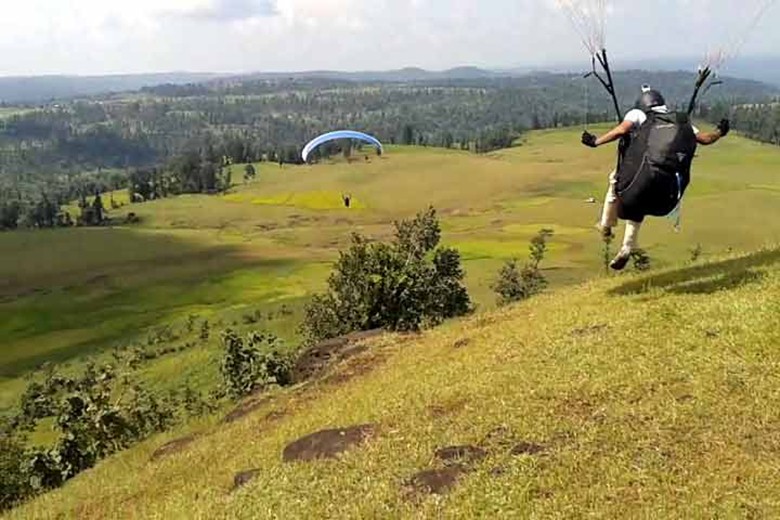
(654, 169)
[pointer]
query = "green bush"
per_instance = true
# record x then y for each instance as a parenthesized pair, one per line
(405, 284)
(641, 260)
(252, 362)
(515, 284)
(205, 330)
(14, 471)
(96, 413)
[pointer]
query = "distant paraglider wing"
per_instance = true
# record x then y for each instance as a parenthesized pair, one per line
(334, 136)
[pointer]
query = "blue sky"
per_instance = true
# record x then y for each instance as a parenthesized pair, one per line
(118, 36)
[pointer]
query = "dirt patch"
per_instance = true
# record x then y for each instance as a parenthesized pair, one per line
(327, 444)
(244, 477)
(465, 454)
(276, 415)
(435, 481)
(174, 446)
(440, 410)
(457, 460)
(527, 448)
(271, 418)
(590, 329)
(500, 437)
(461, 343)
(315, 360)
(582, 408)
(355, 367)
(244, 409)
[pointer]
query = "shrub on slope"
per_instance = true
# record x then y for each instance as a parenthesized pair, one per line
(402, 285)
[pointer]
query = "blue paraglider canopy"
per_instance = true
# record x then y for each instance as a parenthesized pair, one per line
(339, 134)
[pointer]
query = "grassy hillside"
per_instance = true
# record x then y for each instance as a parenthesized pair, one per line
(643, 397)
(68, 294)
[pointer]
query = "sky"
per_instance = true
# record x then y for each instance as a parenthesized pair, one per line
(137, 36)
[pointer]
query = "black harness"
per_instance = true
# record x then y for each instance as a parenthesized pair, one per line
(655, 169)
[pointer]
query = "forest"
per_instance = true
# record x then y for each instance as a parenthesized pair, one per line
(173, 138)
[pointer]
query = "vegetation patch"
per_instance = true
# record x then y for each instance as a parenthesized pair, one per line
(253, 363)
(403, 285)
(513, 284)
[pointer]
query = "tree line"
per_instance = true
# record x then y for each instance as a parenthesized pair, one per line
(181, 139)
(759, 121)
(273, 118)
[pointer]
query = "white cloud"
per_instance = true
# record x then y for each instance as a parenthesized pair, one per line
(94, 36)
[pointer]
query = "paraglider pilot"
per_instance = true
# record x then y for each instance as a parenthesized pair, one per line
(634, 191)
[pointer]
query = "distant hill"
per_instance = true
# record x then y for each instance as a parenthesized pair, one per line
(758, 68)
(763, 69)
(459, 107)
(36, 89)
(398, 75)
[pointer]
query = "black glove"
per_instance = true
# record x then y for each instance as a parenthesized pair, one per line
(723, 127)
(588, 139)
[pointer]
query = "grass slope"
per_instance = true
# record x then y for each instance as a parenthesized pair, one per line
(66, 295)
(654, 397)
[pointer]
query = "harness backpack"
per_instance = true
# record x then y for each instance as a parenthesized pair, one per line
(656, 168)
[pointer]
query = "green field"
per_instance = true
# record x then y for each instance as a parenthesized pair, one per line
(69, 294)
(633, 417)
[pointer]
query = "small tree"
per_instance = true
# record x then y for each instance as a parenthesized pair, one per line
(538, 247)
(246, 366)
(696, 253)
(402, 285)
(14, 471)
(249, 172)
(205, 330)
(407, 135)
(96, 414)
(10, 212)
(515, 284)
(641, 260)
(98, 209)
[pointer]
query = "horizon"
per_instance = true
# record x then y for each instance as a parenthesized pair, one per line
(677, 64)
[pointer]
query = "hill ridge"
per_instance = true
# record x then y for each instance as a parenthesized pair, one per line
(564, 409)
